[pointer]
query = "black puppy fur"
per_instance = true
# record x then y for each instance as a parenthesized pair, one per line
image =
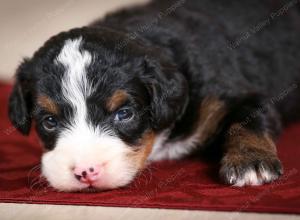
(241, 57)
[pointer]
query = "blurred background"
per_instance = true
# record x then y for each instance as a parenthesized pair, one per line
(26, 25)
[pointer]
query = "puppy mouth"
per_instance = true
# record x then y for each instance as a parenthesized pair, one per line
(89, 180)
(95, 187)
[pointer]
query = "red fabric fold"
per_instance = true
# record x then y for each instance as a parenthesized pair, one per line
(186, 184)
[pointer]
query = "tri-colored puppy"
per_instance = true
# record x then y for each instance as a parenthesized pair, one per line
(159, 81)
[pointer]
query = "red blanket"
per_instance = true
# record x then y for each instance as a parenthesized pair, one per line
(187, 184)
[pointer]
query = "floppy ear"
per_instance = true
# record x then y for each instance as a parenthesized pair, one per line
(19, 102)
(168, 90)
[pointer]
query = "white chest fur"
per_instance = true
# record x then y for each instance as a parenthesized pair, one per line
(165, 150)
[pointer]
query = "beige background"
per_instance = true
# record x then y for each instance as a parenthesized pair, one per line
(24, 26)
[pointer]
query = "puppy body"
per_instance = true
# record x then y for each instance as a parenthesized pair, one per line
(156, 82)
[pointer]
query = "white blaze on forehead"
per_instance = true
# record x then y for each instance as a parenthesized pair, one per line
(75, 84)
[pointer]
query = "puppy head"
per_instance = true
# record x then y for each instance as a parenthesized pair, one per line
(97, 109)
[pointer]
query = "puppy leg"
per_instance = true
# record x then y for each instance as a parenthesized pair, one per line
(250, 156)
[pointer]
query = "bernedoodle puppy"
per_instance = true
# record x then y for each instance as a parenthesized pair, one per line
(159, 82)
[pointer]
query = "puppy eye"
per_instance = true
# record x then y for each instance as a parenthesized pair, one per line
(124, 114)
(49, 123)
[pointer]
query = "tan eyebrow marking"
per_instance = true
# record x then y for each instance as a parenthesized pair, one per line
(48, 104)
(118, 98)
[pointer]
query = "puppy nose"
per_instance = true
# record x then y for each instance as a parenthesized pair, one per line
(87, 174)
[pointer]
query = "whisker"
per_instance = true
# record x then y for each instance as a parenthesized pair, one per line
(31, 171)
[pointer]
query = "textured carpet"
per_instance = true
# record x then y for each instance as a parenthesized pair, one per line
(186, 184)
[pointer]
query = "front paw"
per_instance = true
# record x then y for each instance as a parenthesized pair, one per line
(255, 168)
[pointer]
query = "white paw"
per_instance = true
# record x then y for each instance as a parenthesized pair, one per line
(253, 178)
(251, 173)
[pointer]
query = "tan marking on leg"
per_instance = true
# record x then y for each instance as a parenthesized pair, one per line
(242, 137)
(116, 100)
(48, 104)
(212, 112)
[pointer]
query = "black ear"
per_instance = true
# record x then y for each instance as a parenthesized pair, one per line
(168, 89)
(19, 102)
